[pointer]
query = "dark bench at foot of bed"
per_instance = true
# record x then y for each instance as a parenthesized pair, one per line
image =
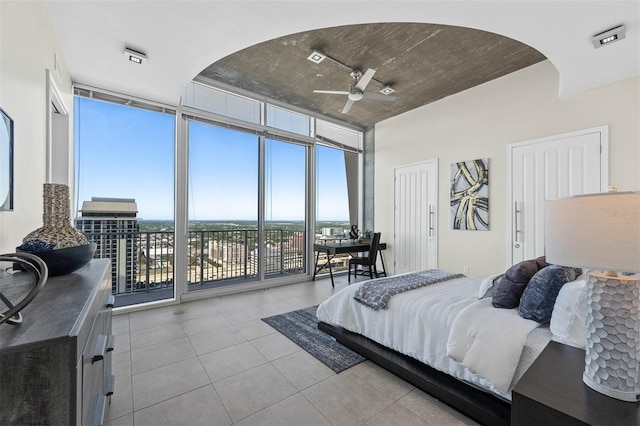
(474, 403)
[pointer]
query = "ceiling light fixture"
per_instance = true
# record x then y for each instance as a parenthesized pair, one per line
(607, 37)
(316, 57)
(387, 90)
(135, 56)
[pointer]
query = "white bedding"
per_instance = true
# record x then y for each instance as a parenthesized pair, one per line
(489, 341)
(416, 323)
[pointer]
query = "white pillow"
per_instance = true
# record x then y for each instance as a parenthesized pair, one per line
(488, 285)
(568, 320)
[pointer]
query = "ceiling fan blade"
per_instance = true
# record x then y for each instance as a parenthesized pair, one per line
(332, 92)
(378, 96)
(365, 79)
(347, 106)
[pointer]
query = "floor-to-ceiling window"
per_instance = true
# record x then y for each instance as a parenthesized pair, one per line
(233, 237)
(337, 186)
(124, 192)
(300, 201)
(332, 195)
(256, 184)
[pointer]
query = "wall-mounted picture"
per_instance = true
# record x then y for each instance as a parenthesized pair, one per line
(6, 161)
(470, 195)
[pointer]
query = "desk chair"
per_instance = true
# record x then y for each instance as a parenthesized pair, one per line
(368, 262)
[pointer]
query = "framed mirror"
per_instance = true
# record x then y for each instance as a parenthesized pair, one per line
(6, 161)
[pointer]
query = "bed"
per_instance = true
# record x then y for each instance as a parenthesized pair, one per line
(412, 338)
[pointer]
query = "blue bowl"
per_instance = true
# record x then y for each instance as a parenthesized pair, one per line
(66, 260)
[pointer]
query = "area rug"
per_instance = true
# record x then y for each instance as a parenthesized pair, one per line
(301, 327)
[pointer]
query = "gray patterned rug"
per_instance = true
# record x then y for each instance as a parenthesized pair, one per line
(301, 327)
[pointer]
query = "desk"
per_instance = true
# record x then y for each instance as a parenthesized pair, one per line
(331, 249)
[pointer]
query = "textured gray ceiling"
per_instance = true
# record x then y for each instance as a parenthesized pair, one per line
(423, 63)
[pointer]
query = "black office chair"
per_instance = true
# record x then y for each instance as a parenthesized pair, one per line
(368, 262)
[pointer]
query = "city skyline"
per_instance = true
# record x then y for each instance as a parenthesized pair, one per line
(143, 254)
(124, 152)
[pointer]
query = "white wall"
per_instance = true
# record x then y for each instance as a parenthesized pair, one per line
(28, 48)
(481, 122)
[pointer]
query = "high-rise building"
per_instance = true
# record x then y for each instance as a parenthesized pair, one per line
(113, 225)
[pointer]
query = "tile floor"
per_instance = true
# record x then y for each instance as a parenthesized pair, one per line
(214, 362)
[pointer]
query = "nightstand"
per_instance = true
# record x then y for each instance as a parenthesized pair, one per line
(551, 392)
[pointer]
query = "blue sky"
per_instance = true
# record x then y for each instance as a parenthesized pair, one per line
(127, 152)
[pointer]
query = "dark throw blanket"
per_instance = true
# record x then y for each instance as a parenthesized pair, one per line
(376, 293)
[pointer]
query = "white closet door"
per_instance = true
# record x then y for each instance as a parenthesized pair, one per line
(549, 168)
(415, 222)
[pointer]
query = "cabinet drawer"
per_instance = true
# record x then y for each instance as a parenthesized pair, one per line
(95, 312)
(92, 376)
(96, 361)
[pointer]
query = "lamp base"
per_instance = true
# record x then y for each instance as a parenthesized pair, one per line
(612, 350)
(613, 393)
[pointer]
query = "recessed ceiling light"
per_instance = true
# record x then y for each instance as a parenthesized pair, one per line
(608, 36)
(134, 56)
(387, 90)
(316, 57)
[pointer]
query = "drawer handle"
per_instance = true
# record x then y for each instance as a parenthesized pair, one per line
(111, 301)
(109, 385)
(111, 341)
(101, 405)
(100, 348)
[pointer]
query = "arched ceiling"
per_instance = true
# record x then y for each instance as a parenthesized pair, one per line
(422, 62)
(182, 38)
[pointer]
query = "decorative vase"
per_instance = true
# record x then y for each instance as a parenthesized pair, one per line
(62, 247)
(56, 231)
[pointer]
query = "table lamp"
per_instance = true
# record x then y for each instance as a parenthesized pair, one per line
(601, 232)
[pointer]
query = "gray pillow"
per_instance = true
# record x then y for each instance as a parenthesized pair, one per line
(540, 294)
(514, 281)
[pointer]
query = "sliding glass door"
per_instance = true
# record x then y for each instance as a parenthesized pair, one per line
(285, 209)
(223, 206)
(229, 240)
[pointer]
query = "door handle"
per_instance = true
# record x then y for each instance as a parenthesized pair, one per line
(100, 349)
(110, 343)
(515, 217)
(431, 213)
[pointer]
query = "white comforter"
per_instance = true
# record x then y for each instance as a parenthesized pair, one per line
(416, 323)
(489, 341)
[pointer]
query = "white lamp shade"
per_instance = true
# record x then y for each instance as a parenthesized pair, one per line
(596, 231)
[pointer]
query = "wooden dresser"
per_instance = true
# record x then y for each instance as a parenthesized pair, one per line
(55, 367)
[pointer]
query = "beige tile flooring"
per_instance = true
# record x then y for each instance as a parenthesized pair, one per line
(214, 362)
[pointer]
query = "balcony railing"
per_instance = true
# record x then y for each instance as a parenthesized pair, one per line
(143, 261)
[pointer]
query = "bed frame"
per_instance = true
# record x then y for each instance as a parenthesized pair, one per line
(474, 403)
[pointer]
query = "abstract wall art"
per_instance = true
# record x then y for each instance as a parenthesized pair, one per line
(470, 195)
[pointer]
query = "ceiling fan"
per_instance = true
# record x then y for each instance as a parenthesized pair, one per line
(356, 90)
